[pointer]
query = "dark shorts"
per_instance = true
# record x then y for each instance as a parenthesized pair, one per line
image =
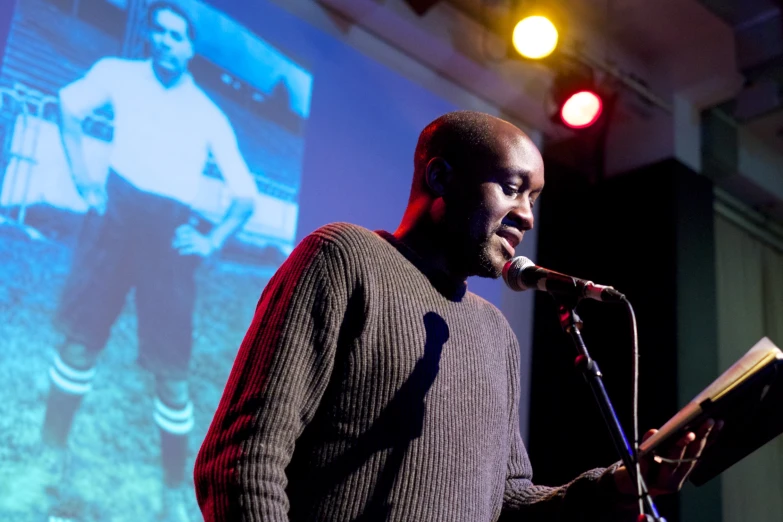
(129, 247)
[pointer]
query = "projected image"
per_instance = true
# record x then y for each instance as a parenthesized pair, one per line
(150, 165)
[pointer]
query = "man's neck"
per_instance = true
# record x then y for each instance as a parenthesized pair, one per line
(167, 78)
(425, 239)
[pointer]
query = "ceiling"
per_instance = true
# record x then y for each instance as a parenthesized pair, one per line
(696, 48)
(722, 55)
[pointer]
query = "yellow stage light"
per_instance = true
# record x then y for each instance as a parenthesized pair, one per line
(535, 37)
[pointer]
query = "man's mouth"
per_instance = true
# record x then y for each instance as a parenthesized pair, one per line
(164, 57)
(510, 239)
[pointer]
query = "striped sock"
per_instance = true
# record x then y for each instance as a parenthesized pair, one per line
(175, 424)
(68, 387)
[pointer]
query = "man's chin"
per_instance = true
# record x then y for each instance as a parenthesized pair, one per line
(166, 65)
(491, 266)
(492, 273)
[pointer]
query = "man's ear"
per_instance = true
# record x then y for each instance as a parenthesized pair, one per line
(438, 176)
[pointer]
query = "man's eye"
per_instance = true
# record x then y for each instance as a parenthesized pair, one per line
(510, 190)
(534, 198)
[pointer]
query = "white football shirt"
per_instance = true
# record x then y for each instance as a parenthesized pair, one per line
(162, 135)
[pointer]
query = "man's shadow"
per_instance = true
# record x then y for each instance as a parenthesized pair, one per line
(400, 422)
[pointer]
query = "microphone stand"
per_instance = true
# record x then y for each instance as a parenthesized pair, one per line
(570, 322)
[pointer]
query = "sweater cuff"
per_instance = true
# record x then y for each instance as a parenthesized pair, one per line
(610, 496)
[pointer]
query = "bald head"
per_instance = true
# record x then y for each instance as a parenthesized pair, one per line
(465, 139)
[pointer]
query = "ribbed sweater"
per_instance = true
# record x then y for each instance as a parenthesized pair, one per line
(369, 387)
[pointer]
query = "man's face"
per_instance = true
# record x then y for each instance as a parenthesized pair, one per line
(492, 205)
(171, 46)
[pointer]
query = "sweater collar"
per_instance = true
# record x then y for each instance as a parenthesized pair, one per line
(450, 287)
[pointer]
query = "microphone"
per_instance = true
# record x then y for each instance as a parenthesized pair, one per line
(522, 274)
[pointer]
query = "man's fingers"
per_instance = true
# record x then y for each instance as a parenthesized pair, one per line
(185, 230)
(672, 470)
(95, 198)
(683, 445)
(182, 242)
(717, 429)
(91, 197)
(706, 430)
(189, 241)
(694, 450)
(714, 434)
(677, 462)
(102, 197)
(191, 250)
(649, 434)
(700, 441)
(183, 235)
(706, 427)
(683, 442)
(675, 468)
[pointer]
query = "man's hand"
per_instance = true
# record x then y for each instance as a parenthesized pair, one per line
(93, 193)
(189, 242)
(667, 472)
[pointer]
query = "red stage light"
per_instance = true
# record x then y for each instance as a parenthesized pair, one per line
(581, 109)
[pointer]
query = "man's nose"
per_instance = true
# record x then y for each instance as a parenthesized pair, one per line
(166, 40)
(522, 214)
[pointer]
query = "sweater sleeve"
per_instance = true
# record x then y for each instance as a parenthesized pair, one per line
(589, 497)
(592, 496)
(279, 376)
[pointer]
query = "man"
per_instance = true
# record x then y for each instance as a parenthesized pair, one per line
(140, 231)
(371, 385)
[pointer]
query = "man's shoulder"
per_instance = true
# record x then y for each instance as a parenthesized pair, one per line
(119, 73)
(342, 249)
(487, 308)
(116, 64)
(479, 302)
(108, 73)
(348, 237)
(350, 245)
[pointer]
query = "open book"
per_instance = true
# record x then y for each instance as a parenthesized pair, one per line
(748, 397)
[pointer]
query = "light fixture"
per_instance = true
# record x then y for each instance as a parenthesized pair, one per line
(535, 37)
(581, 109)
(578, 101)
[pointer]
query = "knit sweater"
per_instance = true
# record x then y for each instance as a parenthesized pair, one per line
(369, 387)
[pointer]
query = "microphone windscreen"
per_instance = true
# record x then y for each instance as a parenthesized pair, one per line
(512, 272)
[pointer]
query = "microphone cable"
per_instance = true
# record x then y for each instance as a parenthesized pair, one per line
(640, 491)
